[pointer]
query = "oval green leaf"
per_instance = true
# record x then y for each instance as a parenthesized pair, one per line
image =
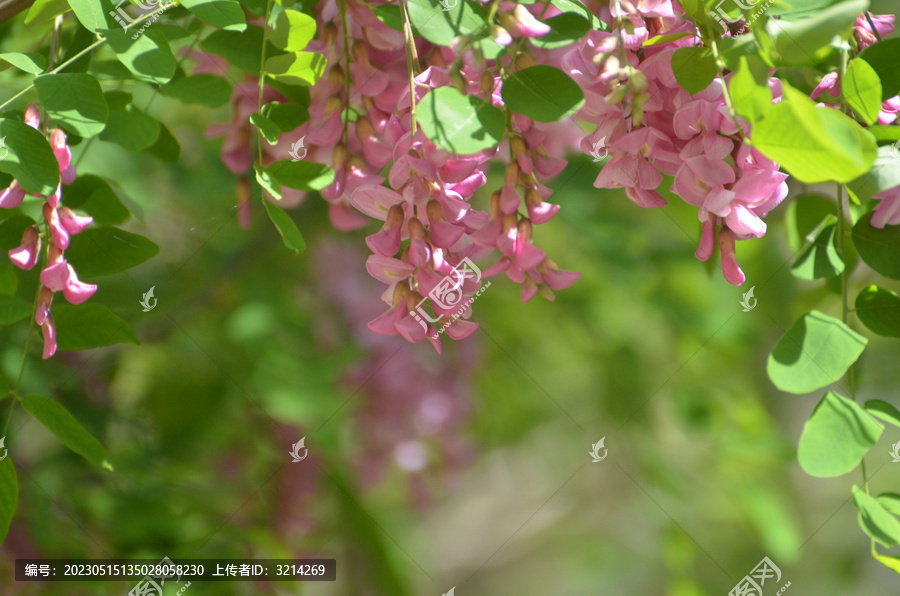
(130, 128)
(90, 325)
(882, 57)
(879, 310)
(542, 93)
(222, 14)
(204, 89)
(878, 247)
(815, 352)
(75, 101)
(94, 196)
(29, 158)
(9, 495)
(459, 123)
(149, 57)
(694, 68)
(293, 30)
(13, 310)
(301, 175)
(861, 89)
(67, 429)
(289, 231)
(885, 411)
(875, 520)
(819, 258)
(105, 251)
(33, 63)
(836, 437)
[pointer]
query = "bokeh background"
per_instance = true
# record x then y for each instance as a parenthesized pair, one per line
(427, 472)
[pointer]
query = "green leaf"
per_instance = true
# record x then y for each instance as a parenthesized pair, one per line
(75, 101)
(884, 133)
(291, 235)
(389, 14)
(13, 310)
(658, 39)
(883, 410)
(93, 14)
(749, 88)
(429, 20)
(9, 279)
(267, 181)
(882, 57)
(45, 10)
(890, 502)
(297, 68)
(268, 128)
(241, 49)
(286, 116)
(205, 89)
(67, 429)
(94, 196)
(878, 247)
(814, 144)
(105, 251)
(875, 520)
(29, 159)
(879, 310)
(458, 123)
(301, 175)
(579, 8)
(33, 63)
(836, 437)
(4, 388)
(293, 30)
(694, 68)
(884, 174)
(861, 89)
(565, 29)
(90, 325)
(808, 41)
(222, 14)
(166, 147)
(805, 215)
(815, 352)
(9, 495)
(542, 93)
(149, 57)
(131, 128)
(821, 258)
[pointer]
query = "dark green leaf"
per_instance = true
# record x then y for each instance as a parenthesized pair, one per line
(287, 116)
(291, 235)
(836, 437)
(222, 14)
(878, 247)
(542, 93)
(241, 49)
(807, 41)
(93, 14)
(75, 101)
(267, 181)
(885, 411)
(749, 88)
(90, 325)
(820, 259)
(875, 520)
(13, 310)
(9, 495)
(67, 429)
(293, 30)
(815, 352)
(429, 20)
(205, 89)
(32, 63)
(268, 128)
(105, 251)
(29, 159)
(879, 310)
(565, 29)
(694, 68)
(166, 147)
(149, 57)
(805, 214)
(459, 123)
(882, 56)
(578, 7)
(45, 10)
(131, 128)
(861, 89)
(389, 14)
(94, 196)
(301, 175)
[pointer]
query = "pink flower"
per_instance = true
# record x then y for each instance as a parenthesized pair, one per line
(887, 212)
(730, 268)
(863, 33)
(63, 155)
(11, 197)
(26, 255)
(48, 328)
(522, 23)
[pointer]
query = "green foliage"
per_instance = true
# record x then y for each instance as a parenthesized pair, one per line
(808, 41)
(149, 57)
(459, 123)
(9, 495)
(31, 63)
(61, 423)
(879, 310)
(30, 159)
(204, 89)
(441, 27)
(13, 310)
(885, 411)
(94, 196)
(105, 251)
(268, 128)
(820, 258)
(878, 247)
(861, 89)
(884, 174)
(836, 437)
(293, 30)
(296, 68)
(291, 235)
(243, 49)
(45, 10)
(815, 352)
(131, 128)
(93, 14)
(694, 68)
(301, 175)
(875, 520)
(565, 29)
(90, 325)
(75, 101)
(882, 57)
(542, 93)
(222, 14)
(749, 87)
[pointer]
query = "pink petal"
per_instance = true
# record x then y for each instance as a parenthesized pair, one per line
(49, 332)
(77, 291)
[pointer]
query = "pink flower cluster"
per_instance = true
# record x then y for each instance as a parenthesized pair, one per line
(58, 275)
(651, 127)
